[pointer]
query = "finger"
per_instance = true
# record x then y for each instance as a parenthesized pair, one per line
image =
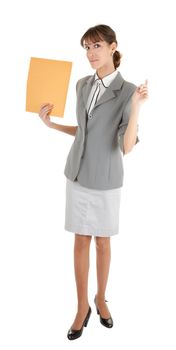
(46, 109)
(140, 88)
(43, 110)
(44, 104)
(144, 94)
(43, 113)
(145, 88)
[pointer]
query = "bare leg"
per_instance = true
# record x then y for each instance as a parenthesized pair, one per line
(81, 265)
(103, 251)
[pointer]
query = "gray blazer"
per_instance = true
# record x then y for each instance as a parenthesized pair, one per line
(95, 157)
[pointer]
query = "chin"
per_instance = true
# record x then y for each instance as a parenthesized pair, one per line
(95, 65)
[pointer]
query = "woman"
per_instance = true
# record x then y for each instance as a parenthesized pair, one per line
(107, 115)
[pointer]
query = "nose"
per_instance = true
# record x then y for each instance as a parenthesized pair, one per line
(90, 53)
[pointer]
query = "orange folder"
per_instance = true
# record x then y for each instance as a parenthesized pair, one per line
(47, 82)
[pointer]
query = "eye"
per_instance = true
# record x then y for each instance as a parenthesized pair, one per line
(96, 45)
(86, 47)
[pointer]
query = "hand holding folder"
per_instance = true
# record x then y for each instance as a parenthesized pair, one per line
(48, 82)
(44, 113)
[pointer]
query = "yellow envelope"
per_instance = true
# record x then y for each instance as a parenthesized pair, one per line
(48, 82)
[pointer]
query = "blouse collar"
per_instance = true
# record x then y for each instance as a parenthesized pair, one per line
(106, 81)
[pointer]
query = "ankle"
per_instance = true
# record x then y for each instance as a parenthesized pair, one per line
(83, 305)
(100, 298)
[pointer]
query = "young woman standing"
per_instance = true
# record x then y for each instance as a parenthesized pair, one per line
(107, 114)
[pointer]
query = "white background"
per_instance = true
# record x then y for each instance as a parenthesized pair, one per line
(37, 293)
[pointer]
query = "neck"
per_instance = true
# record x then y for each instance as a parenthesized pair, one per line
(103, 71)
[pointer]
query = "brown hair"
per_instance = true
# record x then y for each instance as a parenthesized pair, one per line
(102, 32)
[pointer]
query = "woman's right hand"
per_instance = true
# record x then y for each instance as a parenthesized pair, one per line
(44, 113)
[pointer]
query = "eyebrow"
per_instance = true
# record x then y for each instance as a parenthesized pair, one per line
(92, 43)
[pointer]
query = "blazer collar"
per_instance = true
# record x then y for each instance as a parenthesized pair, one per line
(111, 92)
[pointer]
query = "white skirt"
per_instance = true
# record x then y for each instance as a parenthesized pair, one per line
(91, 212)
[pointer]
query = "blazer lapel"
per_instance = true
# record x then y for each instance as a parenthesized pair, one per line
(87, 87)
(112, 91)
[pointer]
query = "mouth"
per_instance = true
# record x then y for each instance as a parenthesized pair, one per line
(92, 61)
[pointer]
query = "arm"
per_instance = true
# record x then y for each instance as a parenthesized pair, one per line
(44, 114)
(68, 129)
(130, 136)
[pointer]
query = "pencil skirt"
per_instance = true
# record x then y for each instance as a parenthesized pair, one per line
(91, 212)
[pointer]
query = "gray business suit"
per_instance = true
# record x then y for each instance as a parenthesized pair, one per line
(95, 157)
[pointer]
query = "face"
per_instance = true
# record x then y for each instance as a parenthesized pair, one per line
(99, 53)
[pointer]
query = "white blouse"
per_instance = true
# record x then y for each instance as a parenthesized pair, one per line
(98, 88)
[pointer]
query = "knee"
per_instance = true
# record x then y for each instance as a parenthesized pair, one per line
(102, 243)
(82, 242)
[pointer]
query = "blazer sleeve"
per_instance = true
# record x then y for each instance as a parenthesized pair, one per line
(77, 85)
(124, 123)
(81, 82)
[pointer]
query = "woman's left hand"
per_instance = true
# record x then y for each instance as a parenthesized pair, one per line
(141, 94)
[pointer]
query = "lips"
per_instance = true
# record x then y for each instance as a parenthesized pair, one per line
(92, 61)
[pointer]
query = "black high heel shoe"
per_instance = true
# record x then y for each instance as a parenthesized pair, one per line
(76, 333)
(107, 322)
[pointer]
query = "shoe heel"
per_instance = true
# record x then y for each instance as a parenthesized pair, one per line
(96, 306)
(86, 323)
(87, 319)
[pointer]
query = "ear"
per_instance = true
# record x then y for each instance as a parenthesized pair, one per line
(114, 46)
